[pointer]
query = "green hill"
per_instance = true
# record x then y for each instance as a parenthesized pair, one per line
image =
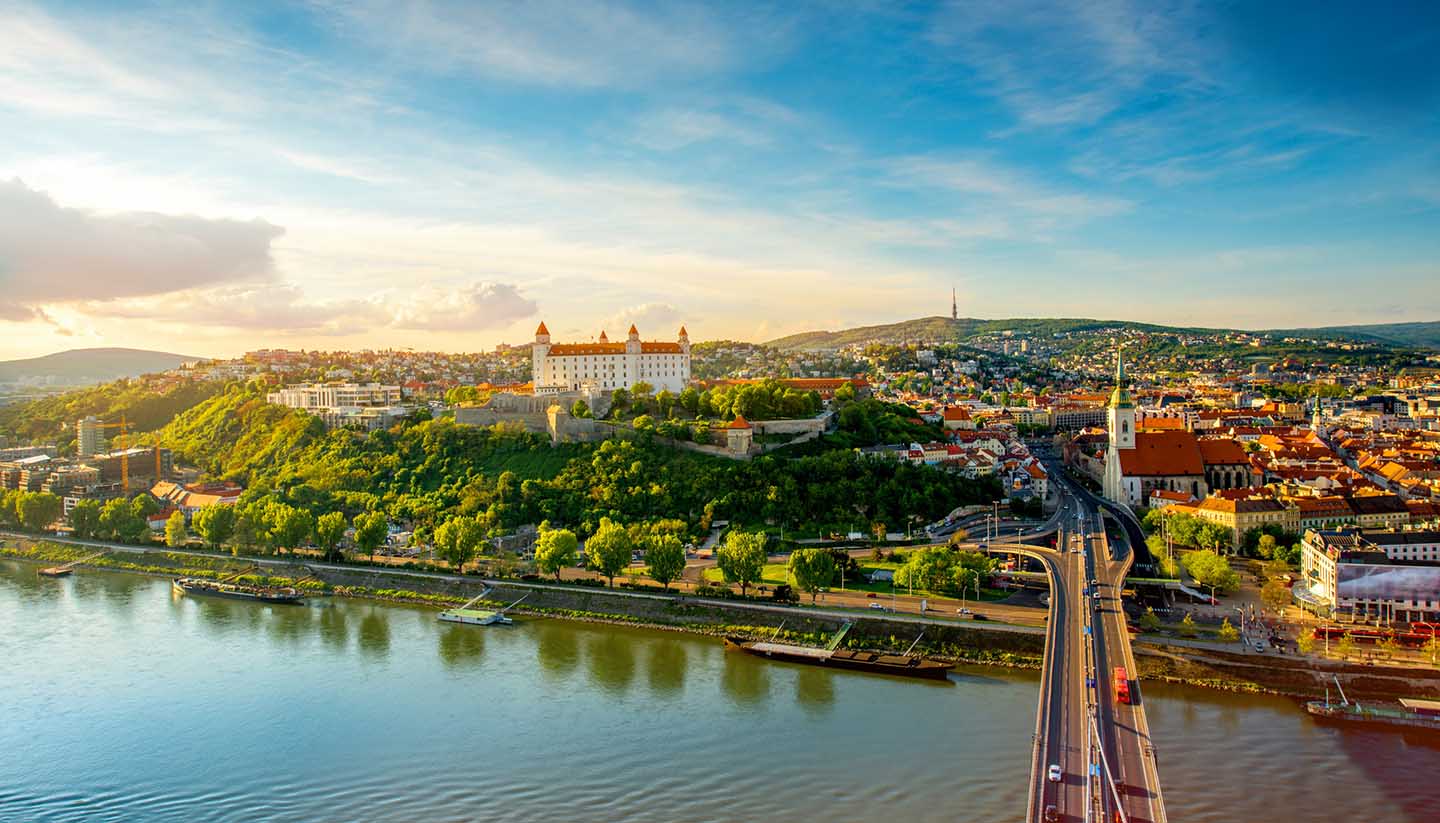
(947, 330)
(78, 366)
(1411, 335)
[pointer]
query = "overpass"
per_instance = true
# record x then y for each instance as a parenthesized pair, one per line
(1100, 744)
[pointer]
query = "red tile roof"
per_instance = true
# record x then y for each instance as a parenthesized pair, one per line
(1222, 452)
(738, 423)
(542, 329)
(1162, 454)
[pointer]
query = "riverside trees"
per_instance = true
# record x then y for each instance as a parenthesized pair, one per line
(666, 558)
(741, 558)
(609, 549)
(812, 570)
(555, 549)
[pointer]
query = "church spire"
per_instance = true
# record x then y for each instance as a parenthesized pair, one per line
(1121, 397)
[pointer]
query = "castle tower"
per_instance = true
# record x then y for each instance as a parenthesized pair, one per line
(684, 340)
(632, 343)
(538, 352)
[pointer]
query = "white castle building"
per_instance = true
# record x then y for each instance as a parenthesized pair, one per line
(605, 366)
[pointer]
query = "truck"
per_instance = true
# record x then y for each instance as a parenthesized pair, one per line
(1122, 685)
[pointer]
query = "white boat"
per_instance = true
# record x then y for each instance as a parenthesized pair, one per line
(472, 616)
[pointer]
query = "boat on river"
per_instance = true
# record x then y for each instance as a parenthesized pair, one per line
(232, 587)
(1410, 713)
(832, 656)
(471, 616)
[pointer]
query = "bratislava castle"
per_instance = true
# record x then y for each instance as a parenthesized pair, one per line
(603, 365)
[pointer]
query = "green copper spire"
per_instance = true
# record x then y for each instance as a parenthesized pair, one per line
(1120, 399)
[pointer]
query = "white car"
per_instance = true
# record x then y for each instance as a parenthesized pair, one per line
(1055, 773)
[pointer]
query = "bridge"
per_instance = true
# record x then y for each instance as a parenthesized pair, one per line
(1100, 744)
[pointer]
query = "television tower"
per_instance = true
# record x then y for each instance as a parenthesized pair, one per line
(954, 307)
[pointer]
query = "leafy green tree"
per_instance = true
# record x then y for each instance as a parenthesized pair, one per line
(85, 518)
(38, 510)
(1305, 642)
(619, 401)
(690, 400)
(371, 529)
(1211, 570)
(143, 505)
(812, 570)
(1346, 646)
(457, 541)
(1265, 546)
(1227, 632)
(644, 424)
(175, 531)
(9, 514)
(1275, 596)
(1187, 626)
(665, 556)
(118, 521)
(664, 403)
(215, 524)
(329, 531)
(1149, 621)
(580, 408)
(555, 549)
(291, 527)
(609, 550)
(741, 558)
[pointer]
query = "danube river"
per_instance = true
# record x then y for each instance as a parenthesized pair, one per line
(121, 701)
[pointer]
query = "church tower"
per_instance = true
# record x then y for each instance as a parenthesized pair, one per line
(1120, 416)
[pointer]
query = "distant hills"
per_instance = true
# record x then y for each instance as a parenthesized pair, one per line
(79, 366)
(1414, 335)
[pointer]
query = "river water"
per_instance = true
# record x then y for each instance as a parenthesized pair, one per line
(121, 701)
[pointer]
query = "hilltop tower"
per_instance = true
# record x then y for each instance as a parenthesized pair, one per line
(954, 306)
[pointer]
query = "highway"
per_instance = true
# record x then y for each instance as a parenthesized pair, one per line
(1101, 745)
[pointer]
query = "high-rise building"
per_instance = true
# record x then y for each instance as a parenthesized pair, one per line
(88, 437)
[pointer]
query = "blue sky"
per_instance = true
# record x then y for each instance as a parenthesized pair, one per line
(210, 177)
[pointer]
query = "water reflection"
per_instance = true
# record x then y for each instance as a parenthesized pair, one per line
(333, 626)
(746, 681)
(666, 666)
(287, 624)
(815, 690)
(374, 634)
(610, 656)
(461, 646)
(557, 648)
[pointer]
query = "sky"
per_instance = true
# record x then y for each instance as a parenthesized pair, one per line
(209, 178)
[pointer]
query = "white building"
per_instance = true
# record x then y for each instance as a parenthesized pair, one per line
(313, 397)
(1365, 575)
(564, 367)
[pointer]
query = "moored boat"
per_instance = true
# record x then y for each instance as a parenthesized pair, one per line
(471, 616)
(56, 571)
(240, 591)
(901, 665)
(1409, 713)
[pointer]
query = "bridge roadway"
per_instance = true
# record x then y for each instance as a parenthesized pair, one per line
(1101, 745)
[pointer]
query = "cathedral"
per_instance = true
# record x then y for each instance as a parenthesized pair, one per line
(605, 366)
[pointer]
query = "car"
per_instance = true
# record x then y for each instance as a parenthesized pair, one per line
(877, 607)
(870, 595)
(1051, 815)
(1259, 647)
(963, 611)
(1055, 773)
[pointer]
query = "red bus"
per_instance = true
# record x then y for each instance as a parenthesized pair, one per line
(1122, 685)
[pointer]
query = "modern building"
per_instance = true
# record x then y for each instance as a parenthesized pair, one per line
(89, 437)
(565, 367)
(313, 397)
(1371, 575)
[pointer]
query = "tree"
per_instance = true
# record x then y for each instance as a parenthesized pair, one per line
(329, 531)
(555, 549)
(143, 505)
(957, 537)
(215, 524)
(457, 540)
(1346, 646)
(175, 533)
(666, 558)
(38, 510)
(1149, 621)
(619, 399)
(85, 518)
(1275, 596)
(644, 424)
(371, 529)
(1211, 570)
(812, 570)
(1432, 646)
(1265, 547)
(1187, 626)
(1228, 633)
(690, 400)
(609, 550)
(291, 526)
(118, 521)
(1305, 641)
(580, 408)
(741, 558)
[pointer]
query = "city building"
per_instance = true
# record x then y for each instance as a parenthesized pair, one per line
(89, 437)
(313, 397)
(1363, 575)
(193, 497)
(565, 367)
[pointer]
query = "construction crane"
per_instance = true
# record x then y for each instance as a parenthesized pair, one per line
(123, 426)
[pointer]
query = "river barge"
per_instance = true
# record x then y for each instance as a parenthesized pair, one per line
(240, 591)
(1409, 713)
(832, 656)
(471, 616)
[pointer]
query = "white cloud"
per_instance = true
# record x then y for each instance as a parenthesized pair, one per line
(477, 307)
(52, 254)
(654, 321)
(999, 186)
(676, 128)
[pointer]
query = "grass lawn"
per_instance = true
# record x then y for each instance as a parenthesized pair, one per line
(775, 574)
